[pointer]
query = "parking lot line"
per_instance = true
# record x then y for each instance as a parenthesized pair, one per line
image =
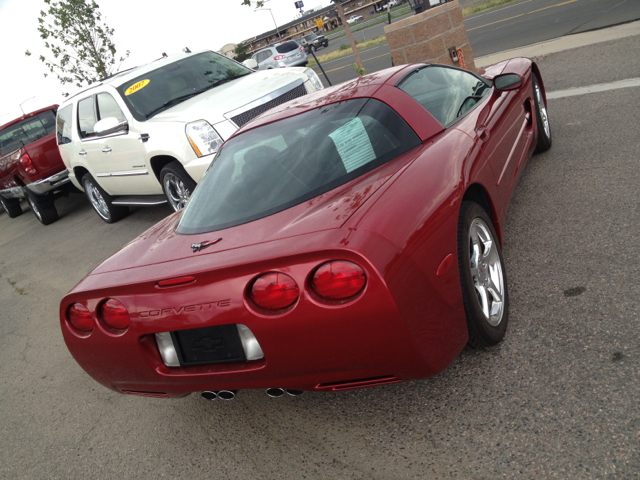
(600, 87)
(522, 15)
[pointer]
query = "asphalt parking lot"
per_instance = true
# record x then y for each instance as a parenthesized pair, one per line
(559, 398)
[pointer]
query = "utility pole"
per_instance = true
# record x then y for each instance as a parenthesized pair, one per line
(347, 31)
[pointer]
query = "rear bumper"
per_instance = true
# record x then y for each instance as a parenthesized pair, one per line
(399, 328)
(53, 182)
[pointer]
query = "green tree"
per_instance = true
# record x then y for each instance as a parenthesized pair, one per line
(241, 52)
(80, 43)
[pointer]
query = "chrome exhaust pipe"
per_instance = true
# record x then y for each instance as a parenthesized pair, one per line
(209, 395)
(227, 394)
(294, 393)
(275, 392)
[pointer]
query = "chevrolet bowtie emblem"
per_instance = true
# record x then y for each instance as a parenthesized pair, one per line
(196, 247)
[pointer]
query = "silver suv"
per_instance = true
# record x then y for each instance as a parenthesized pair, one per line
(284, 54)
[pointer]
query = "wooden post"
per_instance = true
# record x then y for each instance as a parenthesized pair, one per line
(347, 31)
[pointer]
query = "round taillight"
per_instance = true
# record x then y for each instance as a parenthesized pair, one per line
(80, 318)
(274, 291)
(338, 280)
(114, 314)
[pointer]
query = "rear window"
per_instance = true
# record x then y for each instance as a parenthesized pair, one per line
(287, 47)
(23, 133)
(277, 166)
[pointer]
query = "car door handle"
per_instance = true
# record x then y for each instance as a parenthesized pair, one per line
(106, 149)
(482, 133)
(82, 152)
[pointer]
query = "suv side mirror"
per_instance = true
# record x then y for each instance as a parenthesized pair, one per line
(508, 81)
(109, 126)
(250, 63)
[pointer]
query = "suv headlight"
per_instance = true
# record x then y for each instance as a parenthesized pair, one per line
(203, 138)
(314, 79)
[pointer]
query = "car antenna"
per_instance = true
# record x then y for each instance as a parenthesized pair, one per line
(186, 50)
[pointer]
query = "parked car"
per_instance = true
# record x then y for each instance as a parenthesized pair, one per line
(280, 55)
(354, 19)
(344, 240)
(146, 136)
(393, 3)
(30, 165)
(314, 41)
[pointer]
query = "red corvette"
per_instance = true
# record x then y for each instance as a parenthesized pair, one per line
(346, 239)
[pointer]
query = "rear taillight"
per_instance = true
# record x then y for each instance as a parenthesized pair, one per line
(28, 165)
(114, 314)
(279, 57)
(79, 318)
(274, 291)
(301, 49)
(338, 280)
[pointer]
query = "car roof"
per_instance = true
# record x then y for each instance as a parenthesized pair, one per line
(27, 115)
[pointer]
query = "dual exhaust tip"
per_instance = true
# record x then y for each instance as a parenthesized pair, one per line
(231, 394)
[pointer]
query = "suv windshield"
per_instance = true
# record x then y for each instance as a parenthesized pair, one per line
(287, 47)
(175, 82)
(277, 166)
(310, 38)
(27, 131)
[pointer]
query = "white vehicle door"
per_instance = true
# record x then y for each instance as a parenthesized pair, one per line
(116, 161)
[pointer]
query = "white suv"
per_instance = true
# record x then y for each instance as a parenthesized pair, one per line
(146, 136)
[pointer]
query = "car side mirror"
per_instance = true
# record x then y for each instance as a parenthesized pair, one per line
(508, 81)
(109, 126)
(250, 63)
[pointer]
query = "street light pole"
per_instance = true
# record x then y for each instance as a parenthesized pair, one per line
(274, 20)
(20, 106)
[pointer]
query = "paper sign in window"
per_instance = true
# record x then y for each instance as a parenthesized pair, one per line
(353, 145)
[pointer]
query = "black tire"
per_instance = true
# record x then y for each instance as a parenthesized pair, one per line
(542, 118)
(101, 201)
(482, 276)
(177, 185)
(42, 207)
(11, 206)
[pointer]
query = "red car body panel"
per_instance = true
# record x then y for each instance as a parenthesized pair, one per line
(398, 222)
(43, 152)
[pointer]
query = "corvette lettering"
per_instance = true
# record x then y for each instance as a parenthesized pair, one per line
(171, 311)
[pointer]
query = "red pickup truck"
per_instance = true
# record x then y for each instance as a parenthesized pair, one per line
(31, 166)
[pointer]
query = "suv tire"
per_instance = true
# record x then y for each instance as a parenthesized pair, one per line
(101, 201)
(177, 185)
(11, 206)
(42, 207)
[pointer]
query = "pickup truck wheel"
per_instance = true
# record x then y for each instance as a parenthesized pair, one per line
(42, 207)
(11, 206)
(177, 185)
(101, 201)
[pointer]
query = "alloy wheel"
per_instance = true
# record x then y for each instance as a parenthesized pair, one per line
(97, 200)
(542, 111)
(177, 192)
(35, 208)
(486, 271)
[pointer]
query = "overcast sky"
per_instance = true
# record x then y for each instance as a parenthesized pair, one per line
(145, 27)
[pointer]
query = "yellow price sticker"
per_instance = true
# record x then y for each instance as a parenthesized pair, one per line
(136, 86)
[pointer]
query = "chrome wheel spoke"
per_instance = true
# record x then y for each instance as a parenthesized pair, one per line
(177, 192)
(486, 271)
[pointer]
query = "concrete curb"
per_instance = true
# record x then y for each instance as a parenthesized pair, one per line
(563, 43)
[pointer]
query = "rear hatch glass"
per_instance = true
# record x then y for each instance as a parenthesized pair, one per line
(285, 163)
(287, 47)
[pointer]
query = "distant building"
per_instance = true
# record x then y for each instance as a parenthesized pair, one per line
(228, 50)
(295, 29)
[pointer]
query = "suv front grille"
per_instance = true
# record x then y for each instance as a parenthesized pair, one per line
(246, 117)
